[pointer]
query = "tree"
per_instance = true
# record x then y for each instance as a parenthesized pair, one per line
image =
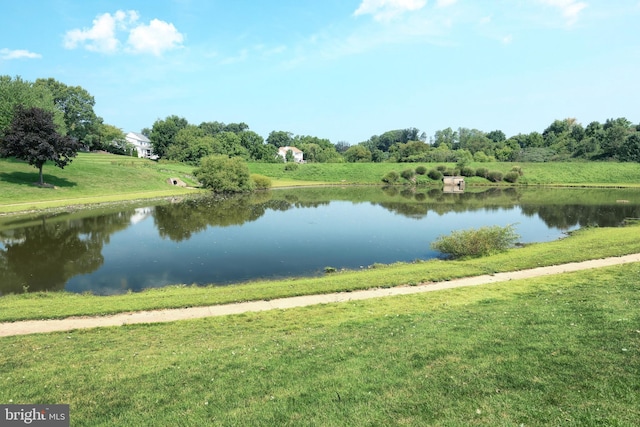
(497, 136)
(33, 137)
(113, 140)
(224, 175)
(190, 144)
(342, 146)
(280, 138)
(357, 154)
(76, 105)
(14, 92)
(163, 133)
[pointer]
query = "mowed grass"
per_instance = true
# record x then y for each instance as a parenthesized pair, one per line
(559, 350)
(568, 174)
(585, 244)
(90, 178)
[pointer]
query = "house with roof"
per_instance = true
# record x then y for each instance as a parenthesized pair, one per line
(298, 155)
(142, 145)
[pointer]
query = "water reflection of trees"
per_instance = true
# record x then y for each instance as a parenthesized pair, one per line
(45, 256)
(180, 221)
(417, 204)
(566, 216)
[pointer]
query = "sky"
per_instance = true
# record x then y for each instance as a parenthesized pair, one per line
(338, 69)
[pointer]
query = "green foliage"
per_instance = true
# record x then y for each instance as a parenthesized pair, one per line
(260, 182)
(511, 177)
(435, 175)
(222, 174)
(482, 172)
(467, 171)
(291, 166)
(391, 177)
(517, 169)
(164, 132)
(477, 242)
(76, 105)
(33, 137)
(357, 153)
(441, 168)
(494, 176)
(14, 92)
(421, 170)
(408, 174)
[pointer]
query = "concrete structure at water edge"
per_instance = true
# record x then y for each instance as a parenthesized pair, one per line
(453, 184)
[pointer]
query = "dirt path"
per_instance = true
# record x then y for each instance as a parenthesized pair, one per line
(170, 315)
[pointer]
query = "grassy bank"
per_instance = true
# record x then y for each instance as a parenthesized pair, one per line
(585, 244)
(568, 174)
(90, 178)
(98, 178)
(559, 350)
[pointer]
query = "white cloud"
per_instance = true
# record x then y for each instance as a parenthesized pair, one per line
(445, 3)
(569, 8)
(154, 38)
(104, 35)
(383, 10)
(7, 54)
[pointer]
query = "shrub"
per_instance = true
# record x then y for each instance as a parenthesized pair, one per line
(260, 181)
(517, 169)
(511, 176)
(408, 174)
(467, 171)
(494, 176)
(482, 172)
(290, 166)
(451, 172)
(421, 170)
(477, 242)
(391, 177)
(441, 168)
(435, 175)
(224, 175)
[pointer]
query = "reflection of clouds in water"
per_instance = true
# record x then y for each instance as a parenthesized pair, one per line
(117, 284)
(141, 214)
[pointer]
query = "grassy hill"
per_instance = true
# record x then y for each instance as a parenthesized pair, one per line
(573, 174)
(90, 178)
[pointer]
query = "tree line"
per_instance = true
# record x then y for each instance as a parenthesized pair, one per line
(174, 138)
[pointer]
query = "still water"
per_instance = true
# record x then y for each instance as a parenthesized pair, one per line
(276, 234)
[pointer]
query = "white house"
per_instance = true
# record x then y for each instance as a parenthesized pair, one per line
(142, 144)
(297, 154)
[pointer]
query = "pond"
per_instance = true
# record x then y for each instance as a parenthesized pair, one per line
(276, 234)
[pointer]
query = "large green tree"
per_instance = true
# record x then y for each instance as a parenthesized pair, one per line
(32, 136)
(16, 91)
(163, 133)
(76, 105)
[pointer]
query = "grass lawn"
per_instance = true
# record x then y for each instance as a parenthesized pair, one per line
(558, 350)
(90, 178)
(567, 174)
(585, 244)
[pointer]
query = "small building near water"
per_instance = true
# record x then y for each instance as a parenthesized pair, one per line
(453, 184)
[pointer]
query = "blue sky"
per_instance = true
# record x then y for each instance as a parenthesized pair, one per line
(338, 69)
